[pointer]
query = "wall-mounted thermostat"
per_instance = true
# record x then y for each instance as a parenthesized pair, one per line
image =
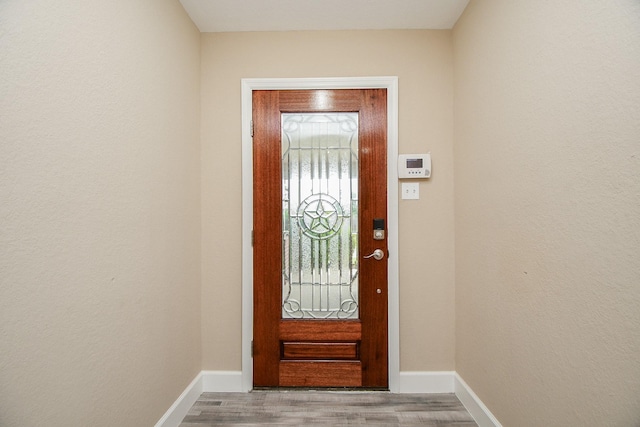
(414, 166)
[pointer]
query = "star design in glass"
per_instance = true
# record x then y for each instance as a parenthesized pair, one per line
(321, 217)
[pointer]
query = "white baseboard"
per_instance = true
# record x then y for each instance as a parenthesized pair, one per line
(426, 382)
(174, 415)
(409, 382)
(474, 405)
(222, 381)
(205, 381)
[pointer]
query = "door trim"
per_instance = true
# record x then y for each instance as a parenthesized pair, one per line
(389, 83)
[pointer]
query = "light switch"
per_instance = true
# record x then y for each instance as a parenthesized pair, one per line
(411, 190)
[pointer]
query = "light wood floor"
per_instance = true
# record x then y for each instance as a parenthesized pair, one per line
(327, 408)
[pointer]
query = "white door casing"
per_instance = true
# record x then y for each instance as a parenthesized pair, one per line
(248, 86)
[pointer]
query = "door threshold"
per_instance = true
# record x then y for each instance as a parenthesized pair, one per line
(321, 389)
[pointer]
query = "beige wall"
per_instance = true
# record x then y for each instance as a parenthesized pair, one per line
(547, 161)
(423, 62)
(99, 211)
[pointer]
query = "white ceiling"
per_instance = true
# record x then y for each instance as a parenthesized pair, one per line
(289, 15)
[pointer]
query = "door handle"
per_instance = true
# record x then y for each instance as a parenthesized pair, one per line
(378, 254)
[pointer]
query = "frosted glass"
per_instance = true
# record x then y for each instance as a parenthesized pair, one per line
(320, 216)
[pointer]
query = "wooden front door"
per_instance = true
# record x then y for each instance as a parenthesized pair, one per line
(320, 198)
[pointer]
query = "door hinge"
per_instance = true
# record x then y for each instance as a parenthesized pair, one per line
(251, 348)
(253, 237)
(251, 128)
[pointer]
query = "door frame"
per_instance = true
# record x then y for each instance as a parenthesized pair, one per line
(389, 83)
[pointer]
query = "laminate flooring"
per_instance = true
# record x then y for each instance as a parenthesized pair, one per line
(327, 408)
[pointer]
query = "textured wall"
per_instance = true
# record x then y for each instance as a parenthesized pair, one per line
(547, 160)
(99, 211)
(423, 62)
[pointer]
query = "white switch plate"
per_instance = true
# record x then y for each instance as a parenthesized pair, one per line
(411, 190)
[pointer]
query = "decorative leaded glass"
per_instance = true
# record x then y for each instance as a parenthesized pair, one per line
(320, 215)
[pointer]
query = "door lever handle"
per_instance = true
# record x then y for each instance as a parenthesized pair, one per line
(378, 254)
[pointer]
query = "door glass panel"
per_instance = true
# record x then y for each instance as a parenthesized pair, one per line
(320, 216)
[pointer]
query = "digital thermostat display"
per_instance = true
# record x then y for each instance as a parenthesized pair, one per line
(414, 163)
(414, 166)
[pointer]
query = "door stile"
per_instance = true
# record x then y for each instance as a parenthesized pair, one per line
(267, 226)
(373, 193)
